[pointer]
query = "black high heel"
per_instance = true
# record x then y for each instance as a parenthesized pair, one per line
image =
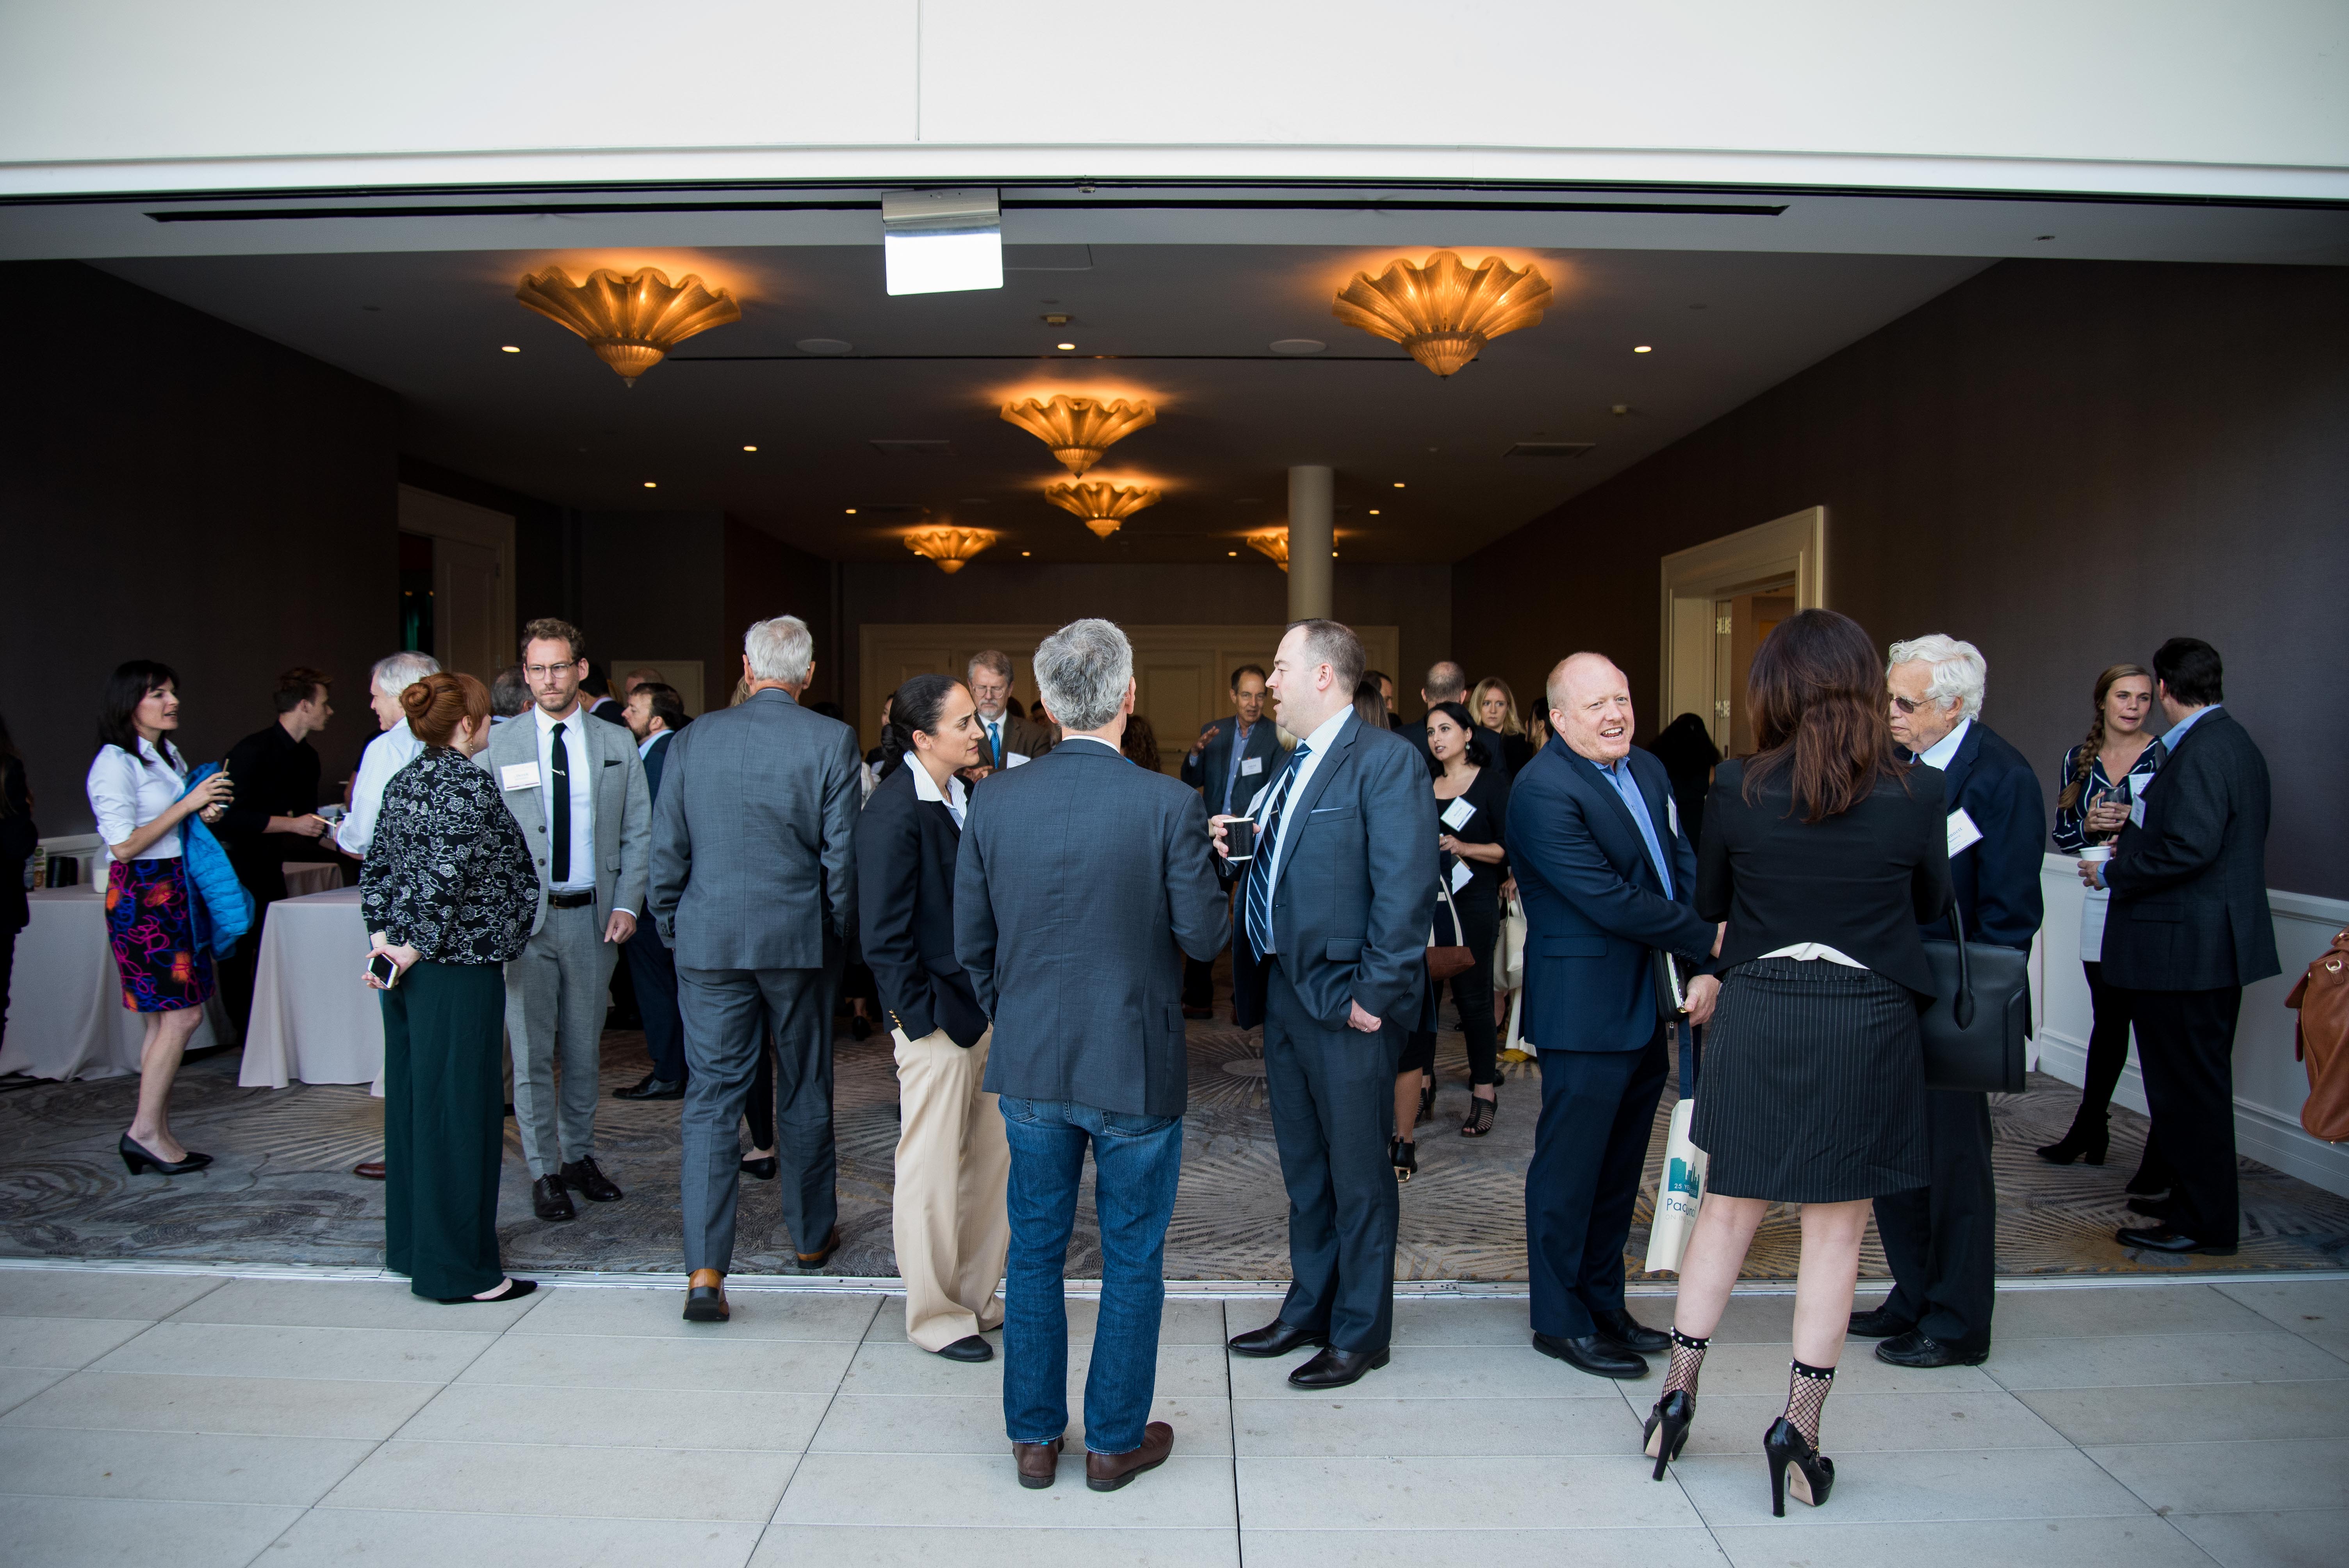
(1426, 1102)
(1784, 1445)
(1404, 1155)
(1668, 1428)
(137, 1157)
(2083, 1142)
(1481, 1112)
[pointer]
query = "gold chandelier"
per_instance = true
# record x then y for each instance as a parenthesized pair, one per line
(1271, 541)
(1444, 311)
(630, 322)
(1080, 430)
(949, 546)
(1101, 504)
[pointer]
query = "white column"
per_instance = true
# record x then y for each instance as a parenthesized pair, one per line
(1312, 536)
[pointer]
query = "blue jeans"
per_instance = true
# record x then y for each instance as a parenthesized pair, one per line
(1136, 1160)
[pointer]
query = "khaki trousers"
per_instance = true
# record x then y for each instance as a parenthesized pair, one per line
(947, 1216)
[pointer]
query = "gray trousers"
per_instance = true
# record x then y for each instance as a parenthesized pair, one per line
(729, 1014)
(556, 995)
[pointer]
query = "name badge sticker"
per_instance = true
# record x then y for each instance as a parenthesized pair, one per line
(519, 776)
(2137, 810)
(1672, 815)
(1251, 765)
(1963, 834)
(1456, 815)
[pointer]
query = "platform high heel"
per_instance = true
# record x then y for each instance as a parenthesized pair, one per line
(1814, 1476)
(1404, 1155)
(2085, 1142)
(1668, 1428)
(137, 1157)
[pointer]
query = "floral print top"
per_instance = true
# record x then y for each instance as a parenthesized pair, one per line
(448, 872)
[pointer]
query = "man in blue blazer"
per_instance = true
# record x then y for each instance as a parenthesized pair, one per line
(1608, 880)
(1232, 760)
(655, 712)
(1941, 1241)
(1329, 955)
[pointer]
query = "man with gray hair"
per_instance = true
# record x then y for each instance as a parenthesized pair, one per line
(754, 891)
(1088, 878)
(1941, 1239)
(1004, 735)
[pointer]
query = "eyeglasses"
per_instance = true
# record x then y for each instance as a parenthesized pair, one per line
(1905, 705)
(540, 672)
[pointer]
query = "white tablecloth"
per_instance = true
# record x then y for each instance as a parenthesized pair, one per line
(66, 1016)
(314, 1019)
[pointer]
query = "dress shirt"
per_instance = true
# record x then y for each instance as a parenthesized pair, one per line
(994, 738)
(1096, 739)
(386, 754)
(927, 788)
(2176, 732)
(1807, 952)
(1944, 751)
(1320, 741)
(1240, 733)
(1627, 785)
(581, 763)
(644, 747)
(127, 792)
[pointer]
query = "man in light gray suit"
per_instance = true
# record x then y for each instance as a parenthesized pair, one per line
(1085, 880)
(576, 789)
(754, 889)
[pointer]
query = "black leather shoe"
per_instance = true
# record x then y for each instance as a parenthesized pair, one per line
(651, 1087)
(549, 1199)
(1880, 1323)
(1631, 1333)
(765, 1168)
(860, 1027)
(1277, 1338)
(1919, 1348)
(969, 1347)
(592, 1185)
(1594, 1354)
(2162, 1239)
(704, 1297)
(1334, 1368)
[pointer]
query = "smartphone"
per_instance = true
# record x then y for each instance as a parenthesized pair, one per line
(384, 971)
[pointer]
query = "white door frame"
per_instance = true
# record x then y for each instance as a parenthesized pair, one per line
(438, 516)
(1793, 546)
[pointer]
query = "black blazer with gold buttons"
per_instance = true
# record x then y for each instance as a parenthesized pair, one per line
(905, 905)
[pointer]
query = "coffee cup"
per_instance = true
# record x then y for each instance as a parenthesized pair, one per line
(1239, 838)
(2097, 853)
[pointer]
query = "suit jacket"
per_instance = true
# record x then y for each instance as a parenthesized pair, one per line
(2189, 904)
(655, 756)
(623, 811)
(18, 838)
(754, 858)
(1025, 736)
(1996, 881)
(1595, 909)
(276, 775)
(1087, 878)
(1209, 770)
(904, 911)
(611, 710)
(1495, 745)
(1357, 891)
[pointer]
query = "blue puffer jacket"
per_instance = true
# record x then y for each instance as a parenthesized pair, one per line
(223, 910)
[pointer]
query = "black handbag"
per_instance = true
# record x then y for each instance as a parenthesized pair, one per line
(1979, 1017)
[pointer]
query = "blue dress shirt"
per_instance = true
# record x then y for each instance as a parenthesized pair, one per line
(1619, 774)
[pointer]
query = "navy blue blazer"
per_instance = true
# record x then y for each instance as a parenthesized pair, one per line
(1996, 881)
(1357, 891)
(1595, 909)
(1210, 770)
(655, 756)
(2190, 907)
(906, 854)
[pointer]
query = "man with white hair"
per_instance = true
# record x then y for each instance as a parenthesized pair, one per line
(753, 890)
(1941, 1239)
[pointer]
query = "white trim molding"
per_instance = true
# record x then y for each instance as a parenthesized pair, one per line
(1792, 546)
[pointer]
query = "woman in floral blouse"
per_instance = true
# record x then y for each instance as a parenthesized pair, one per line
(449, 892)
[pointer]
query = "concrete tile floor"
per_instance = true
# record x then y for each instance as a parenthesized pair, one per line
(199, 1419)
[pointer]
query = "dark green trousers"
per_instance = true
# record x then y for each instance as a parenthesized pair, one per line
(444, 1126)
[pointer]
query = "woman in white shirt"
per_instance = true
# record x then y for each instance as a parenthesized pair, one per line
(136, 784)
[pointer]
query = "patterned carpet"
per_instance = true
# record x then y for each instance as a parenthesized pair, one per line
(281, 1190)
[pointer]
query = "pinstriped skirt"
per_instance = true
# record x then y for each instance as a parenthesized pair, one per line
(1813, 1085)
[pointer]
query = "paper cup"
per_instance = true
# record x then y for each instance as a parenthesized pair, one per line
(2097, 853)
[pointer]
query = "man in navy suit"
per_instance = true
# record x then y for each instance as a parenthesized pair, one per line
(1330, 955)
(1941, 1239)
(1232, 759)
(1608, 880)
(655, 712)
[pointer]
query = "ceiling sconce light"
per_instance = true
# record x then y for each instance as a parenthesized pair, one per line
(1101, 505)
(630, 322)
(949, 547)
(1444, 311)
(1080, 430)
(1271, 541)
(937, 241)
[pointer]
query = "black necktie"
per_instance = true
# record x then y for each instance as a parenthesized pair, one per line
(559, 808)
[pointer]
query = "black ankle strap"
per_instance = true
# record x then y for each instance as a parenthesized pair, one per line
(1815, 1374)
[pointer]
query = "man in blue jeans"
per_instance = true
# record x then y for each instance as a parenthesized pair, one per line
(1082, 880)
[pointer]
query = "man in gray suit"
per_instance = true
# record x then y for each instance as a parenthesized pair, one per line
(577, 791)
(754, 889)
(1086, 880)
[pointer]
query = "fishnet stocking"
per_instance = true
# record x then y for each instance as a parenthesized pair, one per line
(1806, 1398)
(1688, 1360)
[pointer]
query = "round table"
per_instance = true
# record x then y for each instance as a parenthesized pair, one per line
(314, 1019)
(66, 1016)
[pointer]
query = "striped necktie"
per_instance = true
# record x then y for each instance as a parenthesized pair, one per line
(1260, 870)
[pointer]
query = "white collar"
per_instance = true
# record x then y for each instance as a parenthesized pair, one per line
(1326, 734)
(998, 721)
(1944, 751)
(547, 722)
(1097, 740)
(644, 747)
(926, 787)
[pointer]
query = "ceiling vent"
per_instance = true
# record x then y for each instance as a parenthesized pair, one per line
(911, 449)
(1549, 449)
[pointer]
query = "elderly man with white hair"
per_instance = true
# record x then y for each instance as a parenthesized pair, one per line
(1941, 1239)
(754, 891)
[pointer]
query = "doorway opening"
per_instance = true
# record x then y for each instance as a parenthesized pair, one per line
(1721, 598)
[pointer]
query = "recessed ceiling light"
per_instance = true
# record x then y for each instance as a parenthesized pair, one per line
(1232, 553)
(749, 448)
(509, 348)
(1024, 552)
(1643, 348)
(1374, 511)
(1064, 346)
(1398, 484)
(852, 511)
(651, 485)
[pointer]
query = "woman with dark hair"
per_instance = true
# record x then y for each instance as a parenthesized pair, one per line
(139, 792)
(1472, 800)
(1686, 749)
(1824, 852)
(18, 838)
(1140, 743)
(449, 892)
(1370, 704)
(2102, 776)
(948, 1211)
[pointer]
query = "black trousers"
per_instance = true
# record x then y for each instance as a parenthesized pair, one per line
(1942, 1240)
(2186, 1044)
(1333, 1092)
(2108, 1044)
(443, 1125)
(1471, 993)
(654, 969)
(8, 966)
(1599, 1110)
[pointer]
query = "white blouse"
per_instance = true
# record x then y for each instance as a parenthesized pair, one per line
(127, 792)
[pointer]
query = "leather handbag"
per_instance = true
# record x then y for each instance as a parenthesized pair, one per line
(2320, 1040)
(1445, 959)
(1981, 1015)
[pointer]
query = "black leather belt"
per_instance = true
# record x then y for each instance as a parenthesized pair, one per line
(570, 899)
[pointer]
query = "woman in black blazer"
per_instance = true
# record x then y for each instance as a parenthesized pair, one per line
(953, 1162)
(1824, 852)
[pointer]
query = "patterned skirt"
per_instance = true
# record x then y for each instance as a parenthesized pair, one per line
(150, 915)
(1812, 1088)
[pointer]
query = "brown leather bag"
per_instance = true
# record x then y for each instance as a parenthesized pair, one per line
(2321, 1040)
(1445, 959)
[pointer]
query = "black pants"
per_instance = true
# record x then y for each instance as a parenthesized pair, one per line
(2108, 1044)
(443, 1132)
(2186, 1044)
(1599, 1109)
(7, 965)
(654, 968)
(1471, 993)
(1942, 1240)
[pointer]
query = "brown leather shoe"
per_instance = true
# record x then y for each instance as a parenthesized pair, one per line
(1107, 1472)
(369, 1169)
(704, 1297)
(1038, 1463)
(816, 1259)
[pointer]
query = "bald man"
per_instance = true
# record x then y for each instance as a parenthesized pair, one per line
(1608, 880)
(1448, 682)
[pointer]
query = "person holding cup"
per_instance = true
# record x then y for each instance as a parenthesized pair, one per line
(2104, 776)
